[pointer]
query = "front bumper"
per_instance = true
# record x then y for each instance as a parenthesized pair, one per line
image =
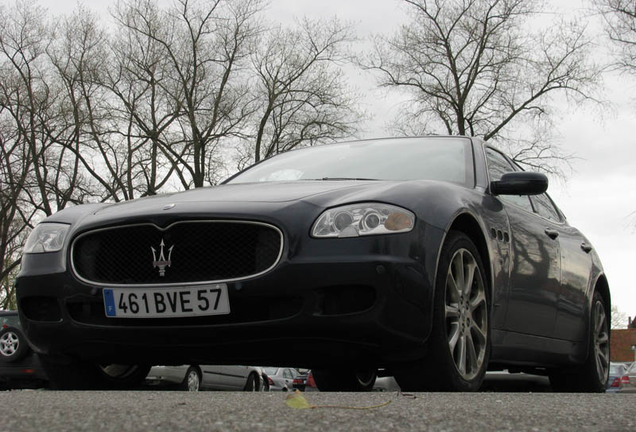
(356, 308)
(25, 370)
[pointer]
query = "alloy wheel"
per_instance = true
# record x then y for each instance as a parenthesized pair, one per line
(466, 314)
(9, 344)
(193, 381)
(601, 340)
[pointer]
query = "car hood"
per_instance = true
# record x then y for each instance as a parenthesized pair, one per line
(271, 191)
(253, 193)
(268, 202)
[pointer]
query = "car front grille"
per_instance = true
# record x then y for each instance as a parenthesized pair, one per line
(184, 252)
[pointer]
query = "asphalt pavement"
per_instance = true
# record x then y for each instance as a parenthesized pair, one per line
(156, 411)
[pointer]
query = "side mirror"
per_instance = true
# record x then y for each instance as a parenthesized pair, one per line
(520, 183)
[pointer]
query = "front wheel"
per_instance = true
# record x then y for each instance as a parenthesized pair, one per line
(459, 345)
(78, 375)
(346, 380)
(192, 380)
(253, 383)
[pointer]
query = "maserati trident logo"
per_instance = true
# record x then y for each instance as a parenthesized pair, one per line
(161, 260)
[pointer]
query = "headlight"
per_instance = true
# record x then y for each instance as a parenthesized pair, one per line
(46, 237)
(363, 219)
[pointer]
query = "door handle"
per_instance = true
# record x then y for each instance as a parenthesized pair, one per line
(553, 234)
(586, 247)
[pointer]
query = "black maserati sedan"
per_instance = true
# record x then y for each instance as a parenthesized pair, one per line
(433, 259)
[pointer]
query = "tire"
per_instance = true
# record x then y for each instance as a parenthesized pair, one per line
(253, 383)
(76, 375)
(13, 345)
(592, 375)
(192, 380)
(265, 380)
(459, 343)
(345, 380)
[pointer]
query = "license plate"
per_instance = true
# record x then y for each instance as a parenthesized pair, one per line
(166, 302)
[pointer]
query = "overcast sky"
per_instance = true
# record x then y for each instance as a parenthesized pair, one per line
(599, 197)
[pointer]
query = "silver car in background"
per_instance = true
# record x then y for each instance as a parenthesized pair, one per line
(212, 377)
(629, 383)
(618, 379)
(280, 379)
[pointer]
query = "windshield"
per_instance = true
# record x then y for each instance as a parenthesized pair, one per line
(433, 158)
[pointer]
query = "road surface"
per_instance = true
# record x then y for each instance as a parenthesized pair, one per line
(156, 411)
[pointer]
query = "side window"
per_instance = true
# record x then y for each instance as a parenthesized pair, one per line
(498, 165)
(546, 208)
(9, 320)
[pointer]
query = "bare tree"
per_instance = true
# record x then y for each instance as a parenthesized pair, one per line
(36, 178)
(15, 215)
(480, 68)
(620, 24)
(26, 96)
(144, 107)
(77, 56)
(301, 89)
(619, 319)
(206, 43)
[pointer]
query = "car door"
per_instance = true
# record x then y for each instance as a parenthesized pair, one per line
(576, 268)
(223, 377)
(535, 271)
(235, 376)
(212, 377)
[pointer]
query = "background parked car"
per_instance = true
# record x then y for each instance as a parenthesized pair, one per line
(305, 381)
(281, 379)
(631, 374)
(19, 365)
(213, 377)
(618, 377)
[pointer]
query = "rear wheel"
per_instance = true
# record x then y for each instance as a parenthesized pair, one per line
(76, 375)
(459, 345)
(349, 380)
(592, 376)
